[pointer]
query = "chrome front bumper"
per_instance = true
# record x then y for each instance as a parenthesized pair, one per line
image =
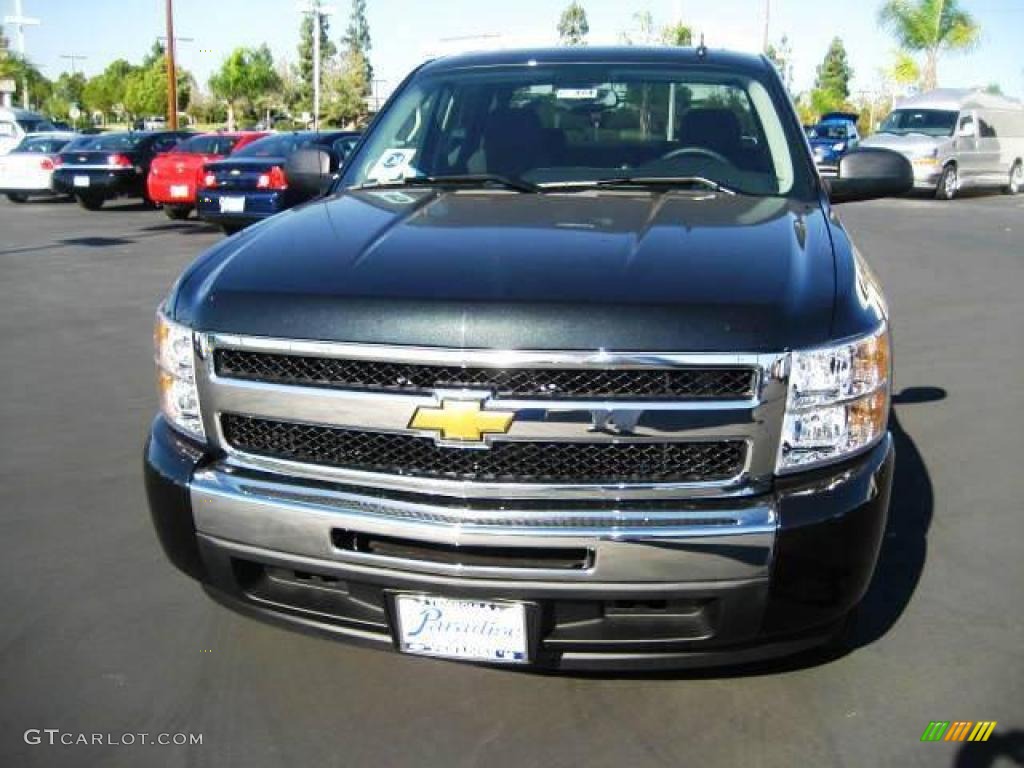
(629, 544)
(668, 583)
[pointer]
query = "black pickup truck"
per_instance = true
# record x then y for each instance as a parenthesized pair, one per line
(573, 365)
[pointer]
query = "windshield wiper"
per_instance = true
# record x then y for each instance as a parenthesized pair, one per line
(471, 179)
(644, 181)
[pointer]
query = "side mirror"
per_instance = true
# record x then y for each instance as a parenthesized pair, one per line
(967, 130)
(309, 172)
(866, 173)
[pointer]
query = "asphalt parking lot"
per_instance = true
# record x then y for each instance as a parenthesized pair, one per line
(99, 634)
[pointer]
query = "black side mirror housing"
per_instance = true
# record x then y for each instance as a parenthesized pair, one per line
(310, 172)
(866, 173)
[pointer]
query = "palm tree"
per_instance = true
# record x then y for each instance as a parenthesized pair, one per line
(930, 27)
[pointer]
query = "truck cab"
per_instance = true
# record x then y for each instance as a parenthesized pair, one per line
(573, 366)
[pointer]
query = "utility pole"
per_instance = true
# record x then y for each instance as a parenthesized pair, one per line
(174, 55)
(75, 58)
(317, 12)
(172, 75)
(20, 21)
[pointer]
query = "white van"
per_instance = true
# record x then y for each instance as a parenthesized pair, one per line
(16, 123)
(956, 139)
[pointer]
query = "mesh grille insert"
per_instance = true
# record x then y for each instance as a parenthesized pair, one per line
(505, 461)
(673, 383)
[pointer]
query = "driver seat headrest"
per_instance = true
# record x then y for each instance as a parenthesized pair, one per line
(717, 129)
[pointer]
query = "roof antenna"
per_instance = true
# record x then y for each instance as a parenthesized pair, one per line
(702, 50)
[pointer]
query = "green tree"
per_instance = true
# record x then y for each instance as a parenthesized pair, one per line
(347, 91)
(67, 91)
(105, 92)
(20, 69)
(645, 32)
(904, 69)
(145, 91)
(835, 72)
(245, 76)
(677, 33)
(572, 26)
(305, 64)
(931, 28)
(154, 55)
(357, 41)
(994, 88)
(205, 108)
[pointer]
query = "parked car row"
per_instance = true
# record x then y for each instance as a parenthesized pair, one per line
(231, 179)
(954, 139)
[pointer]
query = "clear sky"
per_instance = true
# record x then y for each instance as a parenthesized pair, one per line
(405, 31)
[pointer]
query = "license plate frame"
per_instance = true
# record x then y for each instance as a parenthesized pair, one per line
(80, 181)
(510, 625)
(232, 204)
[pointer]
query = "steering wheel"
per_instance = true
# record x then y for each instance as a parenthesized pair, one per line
(696, 151)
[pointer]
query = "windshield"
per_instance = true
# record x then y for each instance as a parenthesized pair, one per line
(116, 141)
(280, 145)
(933, 122)
(208, 145)
(830, 131)
(82, 142)
(46, 145)
(36, 126)
(578, 123)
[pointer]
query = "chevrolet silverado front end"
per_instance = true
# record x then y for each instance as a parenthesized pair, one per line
(520, 414)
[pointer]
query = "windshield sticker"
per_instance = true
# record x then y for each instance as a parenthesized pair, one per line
(576, 93)
(393, 165)
(394, 196)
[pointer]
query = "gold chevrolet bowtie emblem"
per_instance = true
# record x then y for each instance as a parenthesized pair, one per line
(462, 420)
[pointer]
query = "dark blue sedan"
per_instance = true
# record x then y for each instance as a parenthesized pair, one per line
(831, 138)
(251, 185)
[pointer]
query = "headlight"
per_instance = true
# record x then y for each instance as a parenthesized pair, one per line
(838, 146)
(838, 401)
(176, 377)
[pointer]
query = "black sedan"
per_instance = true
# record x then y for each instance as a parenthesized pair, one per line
(113, 165)
(251, 184)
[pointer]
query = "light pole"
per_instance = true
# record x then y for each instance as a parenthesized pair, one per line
(317, 12)
(20, 21)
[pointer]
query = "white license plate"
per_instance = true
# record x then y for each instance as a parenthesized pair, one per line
(232, 204)
(462, 629)
(81, 181)
(179, 190)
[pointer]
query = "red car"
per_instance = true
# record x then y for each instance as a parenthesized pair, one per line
(175, 175)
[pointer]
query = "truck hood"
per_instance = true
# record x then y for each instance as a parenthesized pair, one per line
(909, 144)
(615, 269)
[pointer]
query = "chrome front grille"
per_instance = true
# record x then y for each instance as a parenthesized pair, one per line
(697, 424)
(728, 383)
(505, 462)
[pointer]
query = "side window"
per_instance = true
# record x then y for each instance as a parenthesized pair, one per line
(343, 146)
(986, 129)
(164, 143)
(966, 124)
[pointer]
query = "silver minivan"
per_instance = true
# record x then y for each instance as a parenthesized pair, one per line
(957, 138)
